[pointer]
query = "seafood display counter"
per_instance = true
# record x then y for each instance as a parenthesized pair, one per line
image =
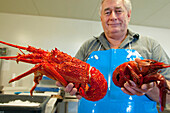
(23, 103)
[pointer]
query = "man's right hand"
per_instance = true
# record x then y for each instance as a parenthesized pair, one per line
(69, 89)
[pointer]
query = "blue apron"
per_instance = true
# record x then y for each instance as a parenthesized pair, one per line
(115, 100)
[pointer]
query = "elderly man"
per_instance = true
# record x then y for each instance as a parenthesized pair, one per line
(115, 17)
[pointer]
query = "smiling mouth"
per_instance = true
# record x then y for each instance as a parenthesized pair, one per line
(114, 25)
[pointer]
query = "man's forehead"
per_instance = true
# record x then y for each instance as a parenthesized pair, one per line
(112, 8)
(116, 7)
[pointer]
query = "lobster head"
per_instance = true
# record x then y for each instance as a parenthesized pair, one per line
(148, 66)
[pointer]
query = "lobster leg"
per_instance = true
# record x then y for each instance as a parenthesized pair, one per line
(9, 57)
(136, 78)
(32, 70)
(123, 77)
(50, 70)
(33, 88)
(162, 85)
(37, 78)
(32, 59)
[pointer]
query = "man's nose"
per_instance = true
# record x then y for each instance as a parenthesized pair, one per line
(113, 15)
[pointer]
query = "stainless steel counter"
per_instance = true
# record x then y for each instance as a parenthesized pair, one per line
(68, 105)
(51, 105)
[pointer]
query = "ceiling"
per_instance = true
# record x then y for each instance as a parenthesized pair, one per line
(154, 13)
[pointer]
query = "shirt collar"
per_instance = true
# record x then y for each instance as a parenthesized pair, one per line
(129, 39)
(104, 42)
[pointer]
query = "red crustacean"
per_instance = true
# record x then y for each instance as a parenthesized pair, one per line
(60, 66)
(144, 71)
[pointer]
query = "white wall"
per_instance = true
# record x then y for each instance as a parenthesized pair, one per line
(42, 32)
(48, 33)
(160, 34)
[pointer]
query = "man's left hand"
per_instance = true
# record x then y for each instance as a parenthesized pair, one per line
(131, 88)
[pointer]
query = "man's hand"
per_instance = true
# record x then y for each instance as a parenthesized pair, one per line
(69, 89)
(131, 88)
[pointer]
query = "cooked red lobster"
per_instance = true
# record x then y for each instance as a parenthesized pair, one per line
(144, 71)
(60, 66)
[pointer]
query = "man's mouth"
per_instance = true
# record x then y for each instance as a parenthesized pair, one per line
(114, 25)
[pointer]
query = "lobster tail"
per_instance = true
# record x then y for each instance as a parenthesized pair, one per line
(163, 89)
(98, 86)
(162, 98)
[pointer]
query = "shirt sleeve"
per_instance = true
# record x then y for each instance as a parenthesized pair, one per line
(160, 55)
(83, 51)
(80, 54)
(86, 49)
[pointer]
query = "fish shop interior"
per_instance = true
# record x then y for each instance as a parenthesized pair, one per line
(65, 25)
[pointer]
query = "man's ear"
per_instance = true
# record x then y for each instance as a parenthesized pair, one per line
(129, 15)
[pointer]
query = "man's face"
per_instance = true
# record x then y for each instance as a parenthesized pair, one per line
(114, 17)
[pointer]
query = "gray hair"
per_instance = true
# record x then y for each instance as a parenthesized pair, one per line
(127, 4)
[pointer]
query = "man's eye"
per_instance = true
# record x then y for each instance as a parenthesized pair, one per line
(118, 11)
(107, 12)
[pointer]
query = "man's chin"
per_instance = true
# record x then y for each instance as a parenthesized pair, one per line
(115, 31)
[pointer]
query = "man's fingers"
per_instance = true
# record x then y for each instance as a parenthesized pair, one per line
(126, 91)
(58, 84)
(69, 87)
(79, 97)
(149, 86)
(132, 89)
(137, 59)
(73, 91)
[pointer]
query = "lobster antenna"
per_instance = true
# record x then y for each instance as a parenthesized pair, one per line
(29, 48)
(16, 46)
(166, 65)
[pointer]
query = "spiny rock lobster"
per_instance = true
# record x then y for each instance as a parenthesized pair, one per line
(144, 71)
(60, 66)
